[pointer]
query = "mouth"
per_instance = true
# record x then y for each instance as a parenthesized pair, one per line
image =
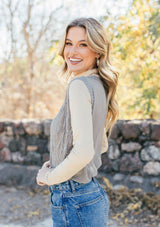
(75, 60)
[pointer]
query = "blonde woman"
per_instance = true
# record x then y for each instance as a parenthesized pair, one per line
(78, 132)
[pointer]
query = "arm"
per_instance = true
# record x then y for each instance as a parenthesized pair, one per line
(83, 146)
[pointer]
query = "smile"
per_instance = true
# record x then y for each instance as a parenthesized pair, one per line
(75, 60)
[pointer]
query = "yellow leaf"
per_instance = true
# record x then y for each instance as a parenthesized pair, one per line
(107, 182)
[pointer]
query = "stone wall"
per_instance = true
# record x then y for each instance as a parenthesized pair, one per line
(134, 146)
(24, 142)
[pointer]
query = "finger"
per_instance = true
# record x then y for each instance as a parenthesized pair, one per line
(46, 164)
(40, 183)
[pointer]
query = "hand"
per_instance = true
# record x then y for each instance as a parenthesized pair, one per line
(41, 180)
(40, 183)
(46, 164)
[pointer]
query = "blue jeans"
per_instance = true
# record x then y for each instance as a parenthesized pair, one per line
(76, 204)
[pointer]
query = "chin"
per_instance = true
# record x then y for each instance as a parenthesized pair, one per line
(75, 71)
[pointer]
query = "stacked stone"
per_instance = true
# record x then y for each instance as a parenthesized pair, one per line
(134, 147)
(24, 142)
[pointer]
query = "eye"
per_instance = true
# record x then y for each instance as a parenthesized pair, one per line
(83, 44)
(68, 43)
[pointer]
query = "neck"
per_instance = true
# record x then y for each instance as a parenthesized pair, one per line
(86, 73)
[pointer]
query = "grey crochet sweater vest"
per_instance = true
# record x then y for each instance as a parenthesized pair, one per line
(61, 136)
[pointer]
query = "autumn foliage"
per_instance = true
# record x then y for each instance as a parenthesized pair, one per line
(30, 87)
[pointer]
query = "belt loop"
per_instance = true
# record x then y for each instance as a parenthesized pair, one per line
(60, 187)
(95, 181)
(72, 185)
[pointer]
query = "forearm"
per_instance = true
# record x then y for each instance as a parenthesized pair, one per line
(71, 165)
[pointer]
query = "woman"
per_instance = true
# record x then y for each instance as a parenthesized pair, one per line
(78, 132)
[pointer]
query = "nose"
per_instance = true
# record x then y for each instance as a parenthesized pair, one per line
(73, 50)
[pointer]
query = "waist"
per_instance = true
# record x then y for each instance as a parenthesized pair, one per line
(70, 185)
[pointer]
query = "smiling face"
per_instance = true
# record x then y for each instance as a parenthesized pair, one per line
(77, 53)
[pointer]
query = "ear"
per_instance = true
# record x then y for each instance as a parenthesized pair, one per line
(97, 56)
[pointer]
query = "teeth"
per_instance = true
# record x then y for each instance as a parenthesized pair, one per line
(72, 59)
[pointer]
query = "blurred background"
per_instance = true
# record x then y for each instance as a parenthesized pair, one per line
(30, 30)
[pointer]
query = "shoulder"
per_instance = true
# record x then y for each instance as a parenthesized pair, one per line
(78, 86)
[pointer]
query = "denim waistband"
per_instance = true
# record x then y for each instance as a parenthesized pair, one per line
(69, 185)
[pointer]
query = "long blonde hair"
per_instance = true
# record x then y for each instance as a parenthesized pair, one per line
(99, 43)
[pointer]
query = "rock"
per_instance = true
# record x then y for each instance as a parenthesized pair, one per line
(150, 153)
(136, 179)
(13, 175)
(32, 167)
(106, 163)
(46, 125)
(5, 139)
(131, 146)
(145, 127)
(45, 157)
(13, 145)
(32, 127)
(32, 140)
(130, 129)
(118, 177)
(42, 146)
(18, 128)
(115, 132)
(157, 144)
(119, 140)
(129, 163)
(2, 145)
(48, 145)
(22, 145)
(120, 187)
(9, 131)
(31, 148)
(115, 165)
(113, 152)
(152, 168)
(17, 157)
(148, 143)
(5, 155)
(143, 138)
(33, 158)
(1, 126)
(155, 131)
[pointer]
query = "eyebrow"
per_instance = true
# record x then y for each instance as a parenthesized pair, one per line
(83, 40)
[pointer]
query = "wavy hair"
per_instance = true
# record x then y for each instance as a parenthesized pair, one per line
(98, 41)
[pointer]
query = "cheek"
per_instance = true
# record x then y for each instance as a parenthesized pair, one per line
(90, 59)
(65, 53)
(90, 56)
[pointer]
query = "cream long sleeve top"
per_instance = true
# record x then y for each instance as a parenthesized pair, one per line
(83, 150)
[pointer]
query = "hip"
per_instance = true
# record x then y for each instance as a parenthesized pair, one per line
(84, 203)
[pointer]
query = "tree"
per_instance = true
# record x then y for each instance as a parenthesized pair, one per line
(28, 28)
(136, 45)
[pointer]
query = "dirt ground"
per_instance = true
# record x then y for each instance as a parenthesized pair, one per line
(134, 207)
(23, 206)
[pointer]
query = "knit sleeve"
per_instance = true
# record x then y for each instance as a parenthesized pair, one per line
(83, 146)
